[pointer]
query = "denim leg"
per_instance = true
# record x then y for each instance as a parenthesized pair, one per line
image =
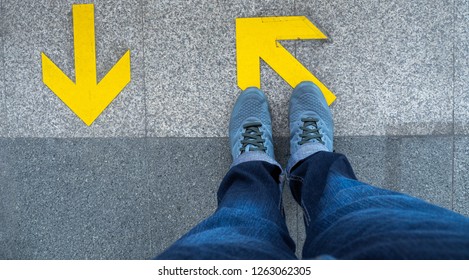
(348, 219)
(248, 223)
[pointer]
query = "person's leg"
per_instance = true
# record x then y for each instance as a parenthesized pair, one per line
(249, 221)
(349, 219)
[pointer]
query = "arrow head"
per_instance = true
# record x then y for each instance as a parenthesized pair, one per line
(86, 101)
(86, 98)
(257, 38)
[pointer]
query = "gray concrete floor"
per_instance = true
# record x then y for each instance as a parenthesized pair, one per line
(148, 169)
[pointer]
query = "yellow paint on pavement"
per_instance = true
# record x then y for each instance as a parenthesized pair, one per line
(258, 38)
(86, 98)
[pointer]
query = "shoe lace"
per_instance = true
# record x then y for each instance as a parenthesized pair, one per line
(252, 136)
(310, 131)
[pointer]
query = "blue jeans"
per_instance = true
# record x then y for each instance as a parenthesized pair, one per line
(344, 218)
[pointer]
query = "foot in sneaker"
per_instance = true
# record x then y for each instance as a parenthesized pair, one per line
(311, 125)
(251, 128)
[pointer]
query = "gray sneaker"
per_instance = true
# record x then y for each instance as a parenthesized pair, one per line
(251, 128)
(311, 125)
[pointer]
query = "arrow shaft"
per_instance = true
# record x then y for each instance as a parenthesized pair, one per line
(84, 44)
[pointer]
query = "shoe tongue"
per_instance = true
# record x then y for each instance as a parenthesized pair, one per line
(250, 148)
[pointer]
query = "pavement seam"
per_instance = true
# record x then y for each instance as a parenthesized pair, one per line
(3, 74)
(142, 3)
(453, 99)
(146, 140)
(226, 137)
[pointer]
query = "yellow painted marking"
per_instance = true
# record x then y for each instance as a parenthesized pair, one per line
(86, 98)
(257, 38)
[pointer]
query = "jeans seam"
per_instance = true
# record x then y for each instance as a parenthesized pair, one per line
(293, 177)
(308, 217)
(281, 188)
(302, 204)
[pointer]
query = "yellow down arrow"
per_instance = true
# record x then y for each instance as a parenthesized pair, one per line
(86, 98)
(257, 38)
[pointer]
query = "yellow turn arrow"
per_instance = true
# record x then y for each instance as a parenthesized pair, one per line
(257, 38)
(86, 98)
